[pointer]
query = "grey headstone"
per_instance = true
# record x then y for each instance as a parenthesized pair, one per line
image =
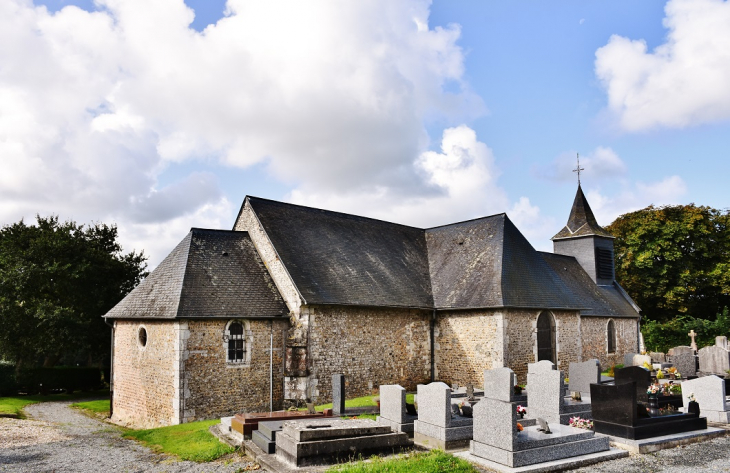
(629, 359)
(545, 392)
(721, 342)
(499, 383)
(310, 408)
(709, 392)
(540, 367)
(338, 394)
(393, 403)
(470, 392)
(657, 357)
(686, 364)
(714, 360)
(639, 360)
(582, 375)
(434, 404)
(681, 349)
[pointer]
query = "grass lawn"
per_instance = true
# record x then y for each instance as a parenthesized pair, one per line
(190, 441)
(13, 406)
(365, 401)
(422, 462)
(97, 407)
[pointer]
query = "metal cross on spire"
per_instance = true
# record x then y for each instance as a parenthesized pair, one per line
(578, 169)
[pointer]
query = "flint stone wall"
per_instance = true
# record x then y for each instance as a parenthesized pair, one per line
(370, 346)
(144, 377)
(594, 333)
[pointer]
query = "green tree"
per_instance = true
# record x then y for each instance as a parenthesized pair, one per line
(674, 260)
(56, 281)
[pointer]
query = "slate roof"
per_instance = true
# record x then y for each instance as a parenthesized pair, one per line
(606, 301)
(211, 273)
(487, 262)
(337, 258)
(581, 221)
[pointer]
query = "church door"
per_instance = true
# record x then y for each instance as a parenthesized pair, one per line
(546, 337)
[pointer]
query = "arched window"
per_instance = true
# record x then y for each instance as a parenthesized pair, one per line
(546, 337)
(236, 343)
(611, 336)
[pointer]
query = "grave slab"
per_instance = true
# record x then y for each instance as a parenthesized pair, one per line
(555, 465)
(666, 441)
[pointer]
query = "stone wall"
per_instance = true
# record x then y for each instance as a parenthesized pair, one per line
(216, 388)
(466, 344)
(595, 339)
(144, 377)
(370, 346)
(520, 339)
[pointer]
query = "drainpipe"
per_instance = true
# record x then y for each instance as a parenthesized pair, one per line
(111, 371)
(433, 345)
(271, 366)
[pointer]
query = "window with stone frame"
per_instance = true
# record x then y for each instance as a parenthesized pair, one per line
(611, 336)
(236, 335)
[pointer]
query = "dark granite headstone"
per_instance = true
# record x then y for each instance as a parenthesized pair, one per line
(338, 394)
(635, 374)
(615, 404)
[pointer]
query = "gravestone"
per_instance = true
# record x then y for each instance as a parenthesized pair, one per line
(629, 359)
(686, 364)
(681, 349)
(438, 426)
(617, 413)
(497, 439)
(637, 375)
(393, 411)
(709, 392)
(582, 375)
(470, 392)
(338, 394)
(714, 360)
(657, 357)
(721, 342)
(547, 387)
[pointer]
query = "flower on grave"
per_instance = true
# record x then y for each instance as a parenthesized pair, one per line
(659, 374)
(521, 410)
(519, 427)
(647, 366)
(653, 389)
(581, 423)
(677, 375)
(691, 397)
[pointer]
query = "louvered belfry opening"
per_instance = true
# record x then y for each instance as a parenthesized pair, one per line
(546, 337)
(604, 263)
(236, 343)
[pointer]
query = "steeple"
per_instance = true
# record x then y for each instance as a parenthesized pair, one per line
(581, 222)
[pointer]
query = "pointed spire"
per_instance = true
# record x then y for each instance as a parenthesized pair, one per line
(581, 222)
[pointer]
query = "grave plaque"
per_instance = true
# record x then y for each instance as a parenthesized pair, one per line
(338, 394)
(544, 427)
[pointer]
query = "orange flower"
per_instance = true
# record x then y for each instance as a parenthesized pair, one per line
(519, 427)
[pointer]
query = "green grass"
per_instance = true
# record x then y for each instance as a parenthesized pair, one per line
(423, 462)
(364, 401)
(190, 441)
(97, 407)
(13, 405)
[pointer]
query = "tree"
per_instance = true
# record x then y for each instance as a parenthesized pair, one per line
(674, 260)
(56, 281)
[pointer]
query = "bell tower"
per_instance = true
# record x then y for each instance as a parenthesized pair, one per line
(587, 241)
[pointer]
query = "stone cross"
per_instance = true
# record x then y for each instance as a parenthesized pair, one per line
(692, 336)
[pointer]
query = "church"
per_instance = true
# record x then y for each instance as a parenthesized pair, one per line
(260, 317)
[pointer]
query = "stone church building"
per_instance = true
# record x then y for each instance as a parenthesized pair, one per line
(262, 316)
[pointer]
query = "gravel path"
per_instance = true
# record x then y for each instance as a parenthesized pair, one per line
(57, 438)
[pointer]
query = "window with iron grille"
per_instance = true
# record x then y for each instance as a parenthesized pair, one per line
(611, 329)
(236, 343)
(604, 263)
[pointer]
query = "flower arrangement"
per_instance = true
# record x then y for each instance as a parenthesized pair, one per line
(668, 409)
(521, 411)
(519, 427)
(691, 397)
(581, 423)
(653, 390)
(647, 366)
(660, 374)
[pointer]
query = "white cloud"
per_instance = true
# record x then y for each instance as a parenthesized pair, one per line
(332, 96)
(668, 191)
(600, 164)
(680, 83)
(461, 183)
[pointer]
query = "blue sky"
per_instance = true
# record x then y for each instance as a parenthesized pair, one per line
(135, 112)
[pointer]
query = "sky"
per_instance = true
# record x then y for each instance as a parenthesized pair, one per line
(162, 115)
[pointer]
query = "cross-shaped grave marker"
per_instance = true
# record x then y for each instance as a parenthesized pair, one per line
(693, 345)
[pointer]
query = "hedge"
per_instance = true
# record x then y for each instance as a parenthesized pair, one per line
(45, 380)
